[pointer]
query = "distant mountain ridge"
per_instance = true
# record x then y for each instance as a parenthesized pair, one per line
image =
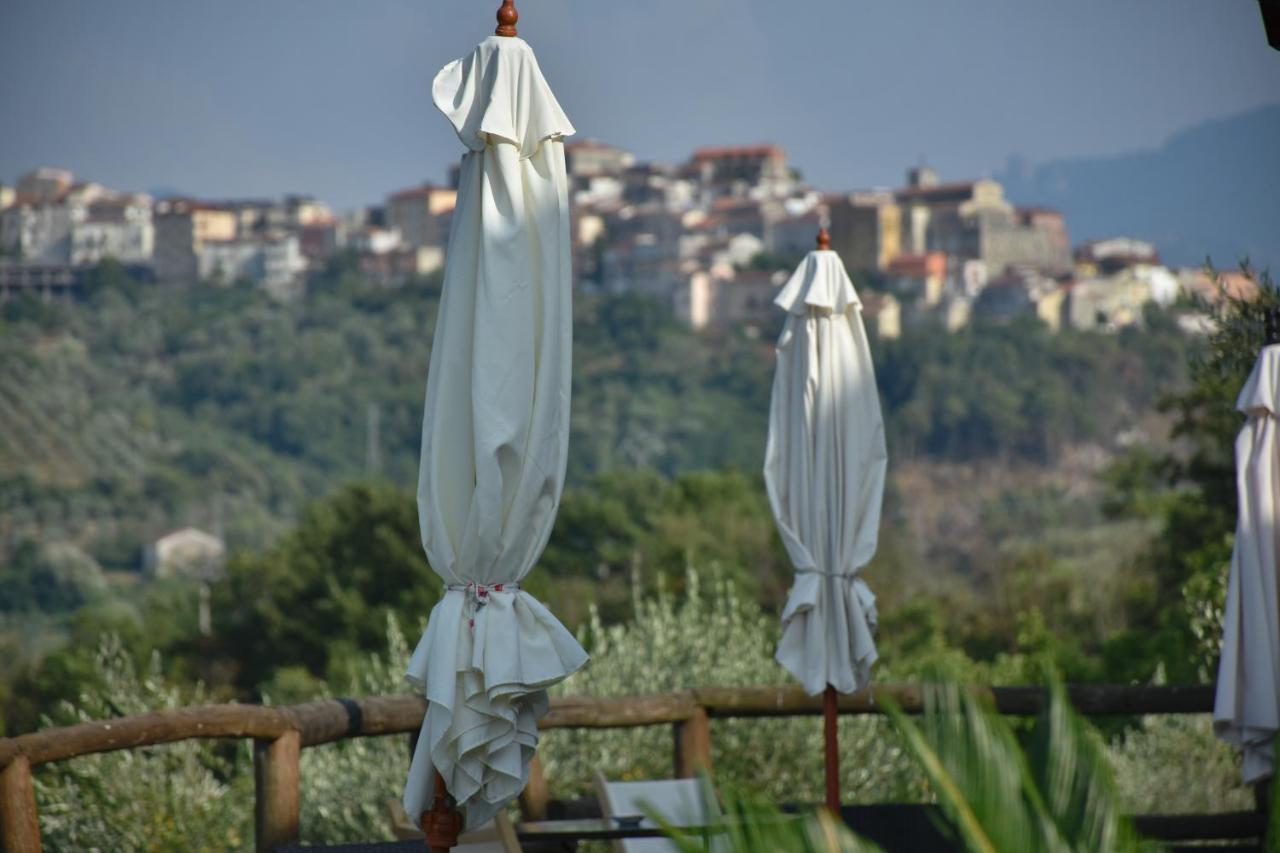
(1213, 189)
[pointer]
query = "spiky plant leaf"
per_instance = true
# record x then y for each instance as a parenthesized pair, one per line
(1060, 797)
(973, 766)
(1073, 779)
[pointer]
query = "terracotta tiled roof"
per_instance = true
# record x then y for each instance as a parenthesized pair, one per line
(917, 264)
(717, 152)
(734, 204)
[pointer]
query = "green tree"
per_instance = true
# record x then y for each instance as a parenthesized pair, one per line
(50, 577)
(626, 522)
(1194, 486)
(326, 589)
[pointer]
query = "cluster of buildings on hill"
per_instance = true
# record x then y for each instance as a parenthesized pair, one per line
(52, 228)
(712, 238)
(715, 237)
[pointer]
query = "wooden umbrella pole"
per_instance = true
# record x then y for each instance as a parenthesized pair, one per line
(831, 743)
(443, 823)
(832, 749)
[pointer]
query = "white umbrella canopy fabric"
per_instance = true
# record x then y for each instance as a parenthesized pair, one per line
(824, 470)
(495, 435)
(1246, 709)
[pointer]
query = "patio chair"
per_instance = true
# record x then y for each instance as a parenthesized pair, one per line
(497, 836)
(678, 801)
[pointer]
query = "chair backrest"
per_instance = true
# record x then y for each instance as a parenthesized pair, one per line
(678, 801)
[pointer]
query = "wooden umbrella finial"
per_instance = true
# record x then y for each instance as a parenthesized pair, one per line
(507, 17)
(824, 240)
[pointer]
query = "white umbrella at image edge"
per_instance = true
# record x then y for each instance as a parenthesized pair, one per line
(824, 471)
(495, 436)
(1246, 711)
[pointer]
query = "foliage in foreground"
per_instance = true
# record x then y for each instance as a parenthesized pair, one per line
(375, 767)
(193, 795)
(712, 635)
(1171, 764)
(1055, 794)
(198, 795)
(1058, 794)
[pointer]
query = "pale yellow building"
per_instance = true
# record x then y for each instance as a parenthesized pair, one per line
(956, 312)
(1049, 307)
(1107, 304)
(723, 297)
(866, 229)
(421, 214)
(882, 314)
(187, 553)
(182, 229)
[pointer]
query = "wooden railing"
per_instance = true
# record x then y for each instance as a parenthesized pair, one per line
(280, 733)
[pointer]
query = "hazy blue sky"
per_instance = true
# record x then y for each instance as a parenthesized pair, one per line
(262, 97)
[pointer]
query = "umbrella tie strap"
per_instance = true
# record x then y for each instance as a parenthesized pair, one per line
(853, 576)
(478, 593)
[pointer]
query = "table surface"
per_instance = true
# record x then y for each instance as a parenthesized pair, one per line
(594, 829)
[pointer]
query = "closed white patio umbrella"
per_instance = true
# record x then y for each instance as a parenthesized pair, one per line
(495, 434)
(1246, 710)
(824, 471)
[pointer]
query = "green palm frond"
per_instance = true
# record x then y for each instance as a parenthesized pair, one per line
(1074, 780)
(1058, 796)
(977, 771)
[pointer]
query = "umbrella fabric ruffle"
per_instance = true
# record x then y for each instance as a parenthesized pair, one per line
(819, 282)
(1247, 705)
(484, 672)
(838, 615)
(825, 464)
(498, 94)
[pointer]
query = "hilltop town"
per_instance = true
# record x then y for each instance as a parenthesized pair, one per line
(711, 238)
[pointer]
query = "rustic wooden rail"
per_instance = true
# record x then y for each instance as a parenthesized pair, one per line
(280, 733)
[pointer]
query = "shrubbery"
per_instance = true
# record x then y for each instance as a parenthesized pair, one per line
(198, 795)
(188, 796)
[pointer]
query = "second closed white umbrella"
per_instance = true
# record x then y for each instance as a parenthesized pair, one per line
(824, 470)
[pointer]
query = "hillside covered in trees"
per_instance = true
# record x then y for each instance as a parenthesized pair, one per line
(145, 407)
(293, 430)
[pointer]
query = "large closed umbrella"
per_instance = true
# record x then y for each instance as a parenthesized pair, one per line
(1246, 711)
(824, 470)
(495, 434)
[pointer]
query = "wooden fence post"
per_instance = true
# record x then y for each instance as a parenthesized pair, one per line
(277, 801)
(19, 825)
(693, 744)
